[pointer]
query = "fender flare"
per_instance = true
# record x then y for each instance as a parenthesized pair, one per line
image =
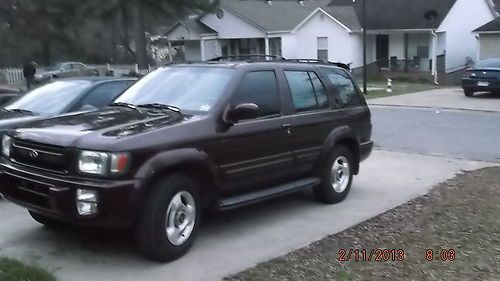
(342, 134)
(178, 158)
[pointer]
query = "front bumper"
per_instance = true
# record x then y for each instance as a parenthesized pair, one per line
(55, 196)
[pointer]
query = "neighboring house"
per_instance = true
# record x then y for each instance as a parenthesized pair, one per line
(488, 37)
(403, 36)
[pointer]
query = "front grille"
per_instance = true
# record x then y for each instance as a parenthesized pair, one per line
(39, 156)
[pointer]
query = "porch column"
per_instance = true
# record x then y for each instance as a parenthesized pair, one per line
(266, 42)
(202, 48)
(170, 51)
(478, 51)
(434, 38)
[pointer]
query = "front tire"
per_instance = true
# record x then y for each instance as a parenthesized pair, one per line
(169, 221)
(468, 93)
(336, 179)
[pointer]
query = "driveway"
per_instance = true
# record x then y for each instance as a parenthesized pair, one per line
(412, 155)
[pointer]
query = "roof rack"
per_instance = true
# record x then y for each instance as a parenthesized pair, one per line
(249, 58)
(338, 64)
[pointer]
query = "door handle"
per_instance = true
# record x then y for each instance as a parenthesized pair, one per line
(288, 128)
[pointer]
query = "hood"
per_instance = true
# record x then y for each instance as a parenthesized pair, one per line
(12, 120)
(104, 125)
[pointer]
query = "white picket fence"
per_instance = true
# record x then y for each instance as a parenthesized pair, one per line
(14, 75)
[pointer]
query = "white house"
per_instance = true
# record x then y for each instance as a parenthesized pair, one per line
(417, 36)
(488, 40)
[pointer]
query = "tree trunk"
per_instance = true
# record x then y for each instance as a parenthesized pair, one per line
(46, 56)
(140, 35)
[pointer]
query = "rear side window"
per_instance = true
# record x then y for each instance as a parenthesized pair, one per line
(261, 88)
(345, 91)
(308, 93)
(103, 95)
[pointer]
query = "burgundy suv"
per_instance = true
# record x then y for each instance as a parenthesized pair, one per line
(188, 138)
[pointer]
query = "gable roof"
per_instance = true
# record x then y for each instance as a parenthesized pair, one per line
(400, 14)
(193, 24)
(282, 15)
(493, 25)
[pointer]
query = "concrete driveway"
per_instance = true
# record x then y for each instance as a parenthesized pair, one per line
(400, 169)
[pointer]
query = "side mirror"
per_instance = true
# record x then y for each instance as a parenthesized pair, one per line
(242, 111)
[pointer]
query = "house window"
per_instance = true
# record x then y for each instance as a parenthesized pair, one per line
(323, 48)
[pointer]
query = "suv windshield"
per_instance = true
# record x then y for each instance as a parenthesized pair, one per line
(190, 88)
(50, 99)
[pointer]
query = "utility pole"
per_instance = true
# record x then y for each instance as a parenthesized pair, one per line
(365, 70)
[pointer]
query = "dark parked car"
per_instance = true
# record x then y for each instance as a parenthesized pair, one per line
(483, 77)
(7, 92)
(63, 96)
(65, 70)
(187, 138)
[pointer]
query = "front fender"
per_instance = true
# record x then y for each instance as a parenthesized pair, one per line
(169, 159)
(342, 134)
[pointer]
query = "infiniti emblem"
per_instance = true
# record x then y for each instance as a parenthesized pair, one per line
(33, 154)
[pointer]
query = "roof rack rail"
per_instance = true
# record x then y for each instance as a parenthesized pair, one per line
(338, 64)
(249, 58)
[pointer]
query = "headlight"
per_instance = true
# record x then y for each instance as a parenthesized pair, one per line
(103, 163)
(6, 144)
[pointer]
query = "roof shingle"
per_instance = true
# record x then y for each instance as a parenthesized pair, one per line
(493, 25)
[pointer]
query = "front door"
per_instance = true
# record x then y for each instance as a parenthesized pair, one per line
(382, 47)
(256, 154)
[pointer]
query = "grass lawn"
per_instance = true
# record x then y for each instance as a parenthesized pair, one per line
(398, 88)
(458, 220)
(12, 270)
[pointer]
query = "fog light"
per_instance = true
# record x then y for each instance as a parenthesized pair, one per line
(86, 202)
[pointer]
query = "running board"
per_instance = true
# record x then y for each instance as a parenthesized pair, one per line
(254, 197)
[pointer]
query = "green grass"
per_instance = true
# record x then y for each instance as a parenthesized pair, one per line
(12, 270)
(398, 88)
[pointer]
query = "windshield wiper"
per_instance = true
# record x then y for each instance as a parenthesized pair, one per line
(161, 106)
(20, 110)
(124, 104)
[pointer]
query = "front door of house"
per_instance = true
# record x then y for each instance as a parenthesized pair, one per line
(382, 41)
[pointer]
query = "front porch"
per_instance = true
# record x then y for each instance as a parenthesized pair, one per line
(209, 48)
(407, 53)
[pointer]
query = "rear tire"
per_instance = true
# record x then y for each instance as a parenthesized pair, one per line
(336, 179)
(47, 221)
(468, 93)
(170, 218)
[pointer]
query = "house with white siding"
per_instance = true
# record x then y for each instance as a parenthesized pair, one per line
(418, 36)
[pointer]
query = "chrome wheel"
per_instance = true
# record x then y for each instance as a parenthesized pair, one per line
(340, 174)
(181, 217)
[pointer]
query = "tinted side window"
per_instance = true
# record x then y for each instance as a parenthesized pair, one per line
(261, 88)
(344, 87)
(308, 93)
(104, 94)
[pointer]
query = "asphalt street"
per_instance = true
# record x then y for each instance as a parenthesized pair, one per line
(471, 135)
(418, 146)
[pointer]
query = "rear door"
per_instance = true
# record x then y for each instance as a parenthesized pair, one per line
(256, 154)
(312, 118)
